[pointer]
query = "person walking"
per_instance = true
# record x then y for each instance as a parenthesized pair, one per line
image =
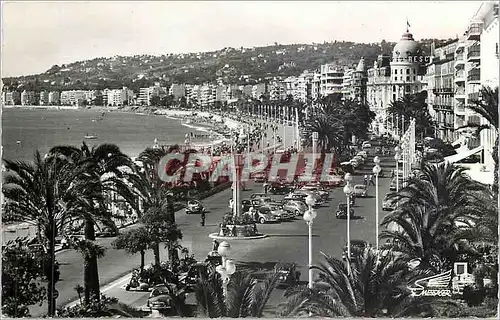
(203, 218)
(365, 180)
(371, 182)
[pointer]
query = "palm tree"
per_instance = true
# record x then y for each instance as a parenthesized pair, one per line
(432, 209)
(38, 193)
(368, 286)
(101, 169)
(487, 108)
(245, 296)
(153, 201)
(330, 132)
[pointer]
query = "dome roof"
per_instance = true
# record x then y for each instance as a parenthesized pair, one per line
(361, 65)
(406, 47)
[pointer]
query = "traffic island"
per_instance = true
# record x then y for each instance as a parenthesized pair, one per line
(239, 228)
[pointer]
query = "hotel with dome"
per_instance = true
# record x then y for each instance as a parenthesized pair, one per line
(392, 77)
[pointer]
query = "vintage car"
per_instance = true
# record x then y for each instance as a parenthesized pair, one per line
(161, 296)
(388, 204)
(357, 247)
(194, 206)
(297, 207)
(264, 215)
(318, 190)
(278, 211)
(360, 191)
(196, 270)
(259, 177)
(341, 212)
(280, 188)
(107, 232)
(288, 275)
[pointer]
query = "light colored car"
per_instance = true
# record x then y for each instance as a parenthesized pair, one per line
(313, 194)
(360, 190)
(366, 145)
(334, 181)
(388, 204)
(360, 159)
(258, 195)
(322, 193)
(297, 207)
(363, 154)
(193, 206)
(279, 212)
(259, 177)
(263, 215)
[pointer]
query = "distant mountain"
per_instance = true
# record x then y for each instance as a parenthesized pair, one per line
(229, 65)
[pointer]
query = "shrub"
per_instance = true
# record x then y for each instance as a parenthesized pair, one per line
(474, 296)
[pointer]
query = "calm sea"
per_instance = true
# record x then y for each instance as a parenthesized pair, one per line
(25, 130)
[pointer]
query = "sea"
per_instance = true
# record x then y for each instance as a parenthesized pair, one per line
(25, 130)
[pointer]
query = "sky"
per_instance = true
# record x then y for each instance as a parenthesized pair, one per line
(38, 35)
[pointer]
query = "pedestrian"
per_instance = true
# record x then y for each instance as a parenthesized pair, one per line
(203, 218)
(215, 245)
(365, 180)
(371, 180)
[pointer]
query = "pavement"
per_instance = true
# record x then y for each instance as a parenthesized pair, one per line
(286, 242)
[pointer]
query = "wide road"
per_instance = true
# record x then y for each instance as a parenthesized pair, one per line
(286, 241)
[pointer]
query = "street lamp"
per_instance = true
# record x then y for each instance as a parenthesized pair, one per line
(308, 217)
(397, 156)
(348, 190)
(228, 267)
(310, 201)
(376, 171)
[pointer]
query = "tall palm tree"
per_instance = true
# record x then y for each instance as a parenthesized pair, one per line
(487, 108)
(38, 193)
(101, 169)
(330, 132)
(153, 201)
(368, 286)
(246, 297)
(432, 209)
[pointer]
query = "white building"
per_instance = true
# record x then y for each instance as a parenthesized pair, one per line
(27, 98)
(332, 78)
(379, 92)
(120, 97)
(44, 98)
(54, 97)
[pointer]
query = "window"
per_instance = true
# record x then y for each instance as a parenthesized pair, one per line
(395, 71)
(407, 78)
(407, 88)
(394, 88)
(407, 71)
(414, 71)
(393, 97)
(414, 78)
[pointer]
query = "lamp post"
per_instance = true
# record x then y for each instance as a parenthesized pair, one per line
(228, 267)
(314, 146)
(376, 171)
(348, 190)
(309, 216)
(397, 157)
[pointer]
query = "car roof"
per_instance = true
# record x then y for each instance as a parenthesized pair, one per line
(360, 186)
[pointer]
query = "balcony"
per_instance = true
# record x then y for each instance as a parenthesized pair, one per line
(473, 96)
(474, 76)
(474, 31)
(460, 76)
(460, 109)
(460, 93)
(474, 53)
(444, 90)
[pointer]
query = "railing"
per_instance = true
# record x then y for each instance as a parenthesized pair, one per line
(473, 96)
(459, 57)
(473, 53)
(460, 92)
(460, 74)
(460, 108)
(474, 75)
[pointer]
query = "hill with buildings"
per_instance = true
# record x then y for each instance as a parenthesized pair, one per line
(229, 65)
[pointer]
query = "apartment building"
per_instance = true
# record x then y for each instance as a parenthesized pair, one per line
(358, 82)
(441, 89)
(332, 78)
(120, 97)
(258, 90)
(316, 86)
(177, 90)
(54, 98)
(459, 109)
(277, 90)
(207, 95)
(12, 98)
(43, 98)
(28, 98)
(304, 86)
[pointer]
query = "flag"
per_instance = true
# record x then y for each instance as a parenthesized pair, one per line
(407, 23)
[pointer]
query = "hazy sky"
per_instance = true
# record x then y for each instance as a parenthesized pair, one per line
(37, 35)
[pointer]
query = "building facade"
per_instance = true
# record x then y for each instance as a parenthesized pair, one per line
(28, 98)
(440, 79)
(12, 98)
(54, 98)
(332, 78)
(379, 92)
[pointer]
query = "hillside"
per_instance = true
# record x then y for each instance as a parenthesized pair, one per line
(230, 65)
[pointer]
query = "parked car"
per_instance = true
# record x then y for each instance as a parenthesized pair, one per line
(258, 195)
(288, 274)
(360, 190)
(357, 247)
(342, 211)
(264, 215)
(107, 232)
(297, 207)
(259, 177)
(388, 204)
(313, 194)
(322, 193)
(196, 270)
(366, 145)
(278, 211)
(280, 188)
(333, 181)
(363, 154)
(194, 206)
(160, 297)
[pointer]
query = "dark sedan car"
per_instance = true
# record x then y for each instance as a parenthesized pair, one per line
(288, 275)
(342, 211)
